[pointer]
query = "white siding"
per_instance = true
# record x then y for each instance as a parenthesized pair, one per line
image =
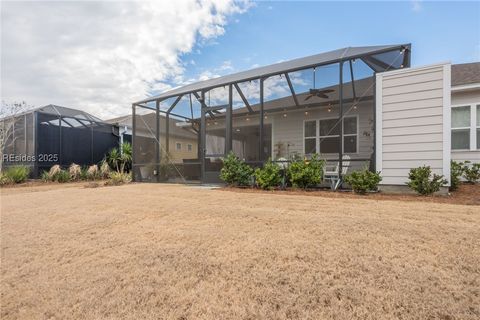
(466, 98)
(412, 115)
(289, 131)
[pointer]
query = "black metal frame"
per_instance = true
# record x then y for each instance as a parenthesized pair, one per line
(405, 49)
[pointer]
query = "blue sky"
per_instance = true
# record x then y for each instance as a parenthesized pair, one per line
(100, 56)
(274, 31)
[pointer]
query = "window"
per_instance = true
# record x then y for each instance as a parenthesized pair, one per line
(329, 135)
(350, 135)
(478, 126)
(310, 137)
(461, 128)
(189, 147)
(178, 146)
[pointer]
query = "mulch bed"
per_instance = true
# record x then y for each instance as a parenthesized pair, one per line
(467, 194)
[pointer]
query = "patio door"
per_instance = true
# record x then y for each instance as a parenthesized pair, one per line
(214, 135)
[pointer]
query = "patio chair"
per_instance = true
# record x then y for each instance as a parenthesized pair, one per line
(331, 172)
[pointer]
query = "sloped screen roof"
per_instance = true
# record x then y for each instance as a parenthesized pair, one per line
(377, 59)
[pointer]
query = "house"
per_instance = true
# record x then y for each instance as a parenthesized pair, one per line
(465, 100)
(358, 107)
(50, 135)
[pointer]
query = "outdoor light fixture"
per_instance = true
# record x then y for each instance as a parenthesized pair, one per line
(238, 130)
(329, 109)
(248, 119)
(306, 113)
(284, 115)
(216, 122)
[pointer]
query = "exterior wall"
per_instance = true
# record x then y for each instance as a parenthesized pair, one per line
(413, 122)
(471, 97)
(289, 131)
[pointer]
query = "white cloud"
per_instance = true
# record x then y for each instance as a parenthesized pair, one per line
(102, 56)
(416, 5)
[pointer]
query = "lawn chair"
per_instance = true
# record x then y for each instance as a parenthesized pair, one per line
(331, 172)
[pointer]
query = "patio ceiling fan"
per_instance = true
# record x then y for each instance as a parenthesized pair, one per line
(321, 93)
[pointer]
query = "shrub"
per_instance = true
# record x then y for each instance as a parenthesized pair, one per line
(4, 179)
(235, 171)
(118, 178)
(75, 172)
(306, 173)
(53, 172)
(363, 181)
(471, 172)
(269, 176)
(62, 176)
(456, 171)
(104, 170)
(45, 176)
(92, 172)
(15, 174)
(423, 182)
(84, 173)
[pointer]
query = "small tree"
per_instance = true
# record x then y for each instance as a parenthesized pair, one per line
(423, 182)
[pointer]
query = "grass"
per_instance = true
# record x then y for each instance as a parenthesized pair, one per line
(147, 251)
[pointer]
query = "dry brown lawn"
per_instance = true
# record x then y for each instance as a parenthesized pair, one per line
(146, 251)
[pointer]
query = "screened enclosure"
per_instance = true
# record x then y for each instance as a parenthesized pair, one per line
(51, 135)
(322, 104)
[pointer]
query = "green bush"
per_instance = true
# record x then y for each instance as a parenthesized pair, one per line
(363, 181)
(119, 178)
(471, 173)
(84, 173)
(235, 171)
(456, 171)
(306, 173)
(15, 174)
(4, 179)
(269, 176)
(423, 182)
(62, 176)
(45, 176)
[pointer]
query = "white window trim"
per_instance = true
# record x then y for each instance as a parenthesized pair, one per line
(318, 137)
(472, 128)
(189, 147)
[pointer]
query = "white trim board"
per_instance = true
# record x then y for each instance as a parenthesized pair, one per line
(447, 111)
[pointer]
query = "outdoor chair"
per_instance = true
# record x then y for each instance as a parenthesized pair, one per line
(331, 172)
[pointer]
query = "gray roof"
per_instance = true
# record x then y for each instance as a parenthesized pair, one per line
(148, 125)
(465, 73)
(278, 68)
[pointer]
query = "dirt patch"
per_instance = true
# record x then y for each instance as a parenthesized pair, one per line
(150, 251)
(467, 194)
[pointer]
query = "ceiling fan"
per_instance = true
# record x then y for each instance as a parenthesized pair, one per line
(321, 93)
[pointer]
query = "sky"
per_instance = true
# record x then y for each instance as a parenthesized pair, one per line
(102, 56)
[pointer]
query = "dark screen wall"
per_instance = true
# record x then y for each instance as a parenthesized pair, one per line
(60, 140)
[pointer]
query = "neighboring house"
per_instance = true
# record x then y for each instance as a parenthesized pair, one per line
(393, 118)
(466, 112)
(182, 142)
(49, 135)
